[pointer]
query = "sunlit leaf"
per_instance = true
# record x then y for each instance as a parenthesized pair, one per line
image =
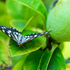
(19, 61)
(35, 23)
(25, 12)
(5, 58)
(30, 46)
(18, 24)
(36, 5)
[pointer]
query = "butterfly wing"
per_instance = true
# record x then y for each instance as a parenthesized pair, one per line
(33, 36)
(11, 32)
(17, 37)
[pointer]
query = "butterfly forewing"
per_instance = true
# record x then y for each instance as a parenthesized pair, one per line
(34, 35)
(11, 32)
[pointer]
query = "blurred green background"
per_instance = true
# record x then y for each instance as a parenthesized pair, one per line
(23, 17)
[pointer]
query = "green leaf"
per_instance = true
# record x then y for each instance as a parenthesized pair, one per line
(45, 59)
(19, 61)
(51, 60)
(43, 64)
(30, 46)
(32, 15)
(32, 60)
(5, 59)
(35, 5)
(57, 61)
(35, 23)
(48, 4)
(15, 60)
(19, 11)
(18, 24)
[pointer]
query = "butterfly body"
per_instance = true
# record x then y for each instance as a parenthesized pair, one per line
(17, 37)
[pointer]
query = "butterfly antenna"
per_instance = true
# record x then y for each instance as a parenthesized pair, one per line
(47, 32)
(25, 48)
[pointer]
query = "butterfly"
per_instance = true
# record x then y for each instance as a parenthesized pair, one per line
(18, 37)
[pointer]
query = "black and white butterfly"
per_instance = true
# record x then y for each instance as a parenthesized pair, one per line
(17, 37)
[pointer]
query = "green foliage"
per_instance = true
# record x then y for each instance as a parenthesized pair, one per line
(48, 4)
(28, 12)
(27, 47)
(5, 59)
(30, 16)
(51, 60)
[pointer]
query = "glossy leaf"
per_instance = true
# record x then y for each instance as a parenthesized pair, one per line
(35, 23)
(18, 24)
(43, 64)
(25, 13)
(36, 5)
(32, 60)
(19, 11)
(51, 60)
(30, 46)
(19, 61)
(57, 61)
(15, 59)
(45, 59)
